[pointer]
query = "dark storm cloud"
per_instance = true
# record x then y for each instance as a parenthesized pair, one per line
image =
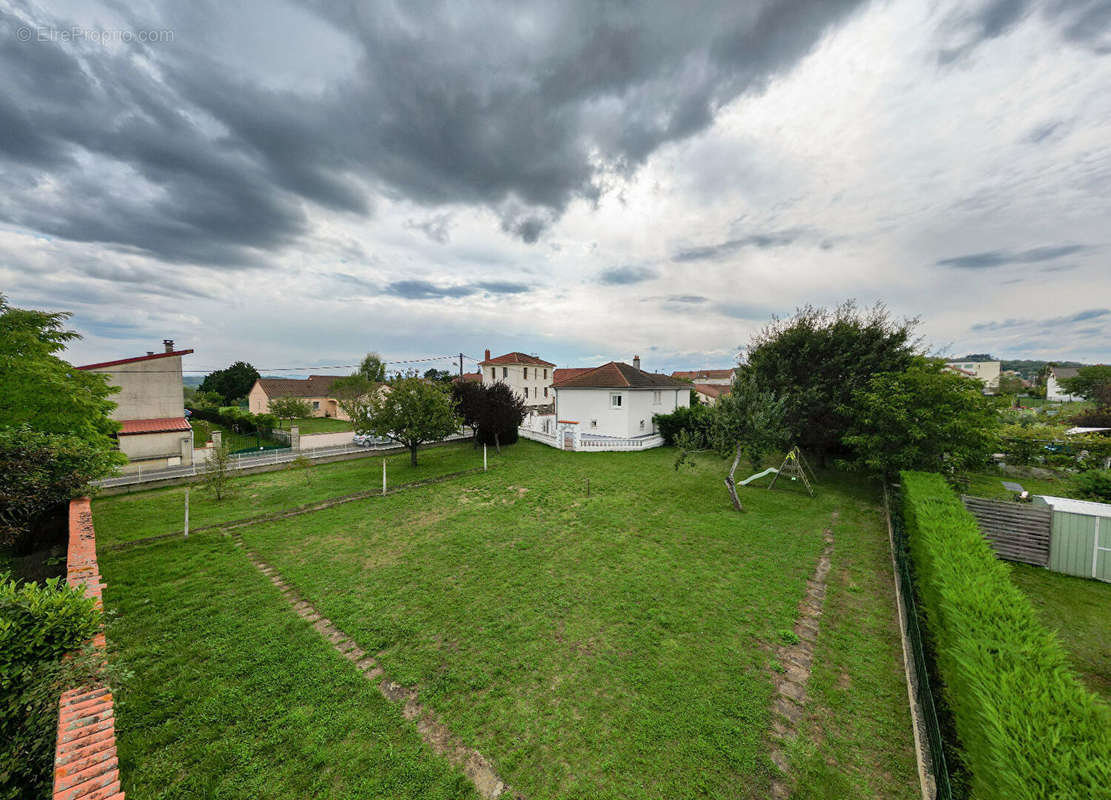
(168, 150)
(1081, 22)
(761, 241)
(1000, 258)
(624, 276)
(1054, 323)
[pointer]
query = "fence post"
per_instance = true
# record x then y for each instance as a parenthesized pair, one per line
(186, 512)
(483, 458)
(383, 477)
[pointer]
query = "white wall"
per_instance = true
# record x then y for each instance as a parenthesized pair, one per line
(539, 379)
(148, 389)
(586, 405)
(1055, 392)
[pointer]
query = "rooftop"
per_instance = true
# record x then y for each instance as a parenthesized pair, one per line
(313, 386)
(149, 357)
(130, 427)
(617, 375)
(516, 358)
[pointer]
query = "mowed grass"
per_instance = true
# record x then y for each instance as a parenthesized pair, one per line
(619, 644)
(990, 484)
(233, 696)
(1078, 610)
(307, 425)
(121, 518)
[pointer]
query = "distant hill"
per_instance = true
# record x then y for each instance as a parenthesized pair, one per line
(192, 381)
(1027, 368)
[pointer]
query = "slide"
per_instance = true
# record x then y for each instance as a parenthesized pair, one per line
(751, 478)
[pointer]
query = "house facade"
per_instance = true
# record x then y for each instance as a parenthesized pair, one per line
(615, 400)
(316, 390)
(1054, 391)
(529, 377)
(987, 372)
(150, 408)
(708, 393)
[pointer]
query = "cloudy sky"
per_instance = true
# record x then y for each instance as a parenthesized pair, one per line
(296, 184)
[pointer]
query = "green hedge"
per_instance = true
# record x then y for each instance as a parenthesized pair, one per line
(695, 419)
(1028, 728)
(236, 418)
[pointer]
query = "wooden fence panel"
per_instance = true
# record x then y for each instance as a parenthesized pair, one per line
(1017, 531)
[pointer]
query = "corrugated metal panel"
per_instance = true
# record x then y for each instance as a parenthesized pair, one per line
(1073, 544)
(1017, 531)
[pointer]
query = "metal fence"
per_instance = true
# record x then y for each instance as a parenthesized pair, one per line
(924, 695)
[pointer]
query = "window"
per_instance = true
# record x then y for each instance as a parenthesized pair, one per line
(615, 400)
(545, 374)
(656, 399)
(505, 372)
(545, 391)
(526, 393)
(642, 424)
(493, 373)
(594, 423)
(315, 405)
(526, 373)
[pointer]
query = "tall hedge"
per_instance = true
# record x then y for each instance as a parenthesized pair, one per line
(1028, 728)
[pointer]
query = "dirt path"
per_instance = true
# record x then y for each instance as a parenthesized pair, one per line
(790, 697)
(434, 732)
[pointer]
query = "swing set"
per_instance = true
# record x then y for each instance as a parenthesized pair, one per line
(794, 467)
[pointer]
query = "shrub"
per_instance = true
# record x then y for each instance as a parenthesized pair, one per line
(696, 420)
(1095, 484)
(1096, 418)
(1027, 726)
(39, 623)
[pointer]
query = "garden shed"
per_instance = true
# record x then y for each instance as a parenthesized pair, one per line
(1081, 539)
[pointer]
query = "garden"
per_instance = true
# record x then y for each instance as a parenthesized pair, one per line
(614, 640)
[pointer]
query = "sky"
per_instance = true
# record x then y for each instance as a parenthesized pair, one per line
(295, 184)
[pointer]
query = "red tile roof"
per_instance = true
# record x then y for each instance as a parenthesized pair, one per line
(160, 425)
(313, 386)
(137, 358)
(712, 389)
(468, 377)
(515, 358)
(703, 374)
(568, 372)
(617, 375)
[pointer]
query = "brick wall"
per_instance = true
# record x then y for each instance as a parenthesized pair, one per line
(85, 764)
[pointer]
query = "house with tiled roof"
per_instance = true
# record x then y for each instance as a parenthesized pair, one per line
(1054, 389)
(529, 376)
(616, 402)
(712, 377)
(150, 408)
(316, 390)
(987, 372)
(708, 393)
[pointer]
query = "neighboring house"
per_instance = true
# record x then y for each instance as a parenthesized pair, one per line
(150, 408)
(616, 400)
(468, 377)
(529, 377)
(1054, 391)
(708, 393)
(316, 390)
(987, 372)
(711, 377)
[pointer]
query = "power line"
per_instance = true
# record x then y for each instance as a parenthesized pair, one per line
(427, 359)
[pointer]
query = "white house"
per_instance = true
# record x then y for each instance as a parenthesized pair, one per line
(987, 372)
(150, 408)
(709, 377)
(529, 377)
(612, 406)
(1054, 391)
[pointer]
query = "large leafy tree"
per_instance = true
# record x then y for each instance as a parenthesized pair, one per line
(1091, 383)
(373, 368)
(233, 383)
(290, 408)
(39, 389)
(413, 412)
(921, 418)
(818, 358)
(500, 412)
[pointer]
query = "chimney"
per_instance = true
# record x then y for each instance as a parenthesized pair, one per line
(168, 344)
(636, 362)
(487, 353)
(150, 352)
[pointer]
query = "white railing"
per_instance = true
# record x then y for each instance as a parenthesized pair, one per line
(618, 443)
(538, 436)
(243, 461)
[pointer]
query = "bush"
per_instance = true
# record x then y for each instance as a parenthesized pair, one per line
(39, 623)
(236, 418)
(696, 421)
(1027, 726)
(1095, 484)
(1096, 418)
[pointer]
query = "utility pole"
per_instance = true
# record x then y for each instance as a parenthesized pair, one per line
(460, 365)
(186, 512)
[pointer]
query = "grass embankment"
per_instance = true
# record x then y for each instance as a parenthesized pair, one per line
(122, 518)
(612, 645)
(307, 425)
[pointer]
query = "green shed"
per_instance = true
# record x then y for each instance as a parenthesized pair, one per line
(1080, 543)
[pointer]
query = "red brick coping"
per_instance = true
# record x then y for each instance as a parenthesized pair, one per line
(85, 765)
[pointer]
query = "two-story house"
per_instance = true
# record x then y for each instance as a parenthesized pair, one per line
(529, 377)
(150, 408)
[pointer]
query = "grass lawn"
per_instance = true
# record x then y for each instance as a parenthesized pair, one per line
(120, 518)
(232, 440)
(990, 484)
(308, 425)
(616, 645)
(1078, 610)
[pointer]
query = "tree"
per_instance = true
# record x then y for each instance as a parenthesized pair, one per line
(1091, 383)
(412, 412)
(40, 389)
(233, 383)
(373, 368)
(500, 412)
(438, 375)
(467, 397)
(353, 394)
(816, 361)
(217, 472)
(290, 408)
(921, 418)
(202, 399)
(39, 471)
